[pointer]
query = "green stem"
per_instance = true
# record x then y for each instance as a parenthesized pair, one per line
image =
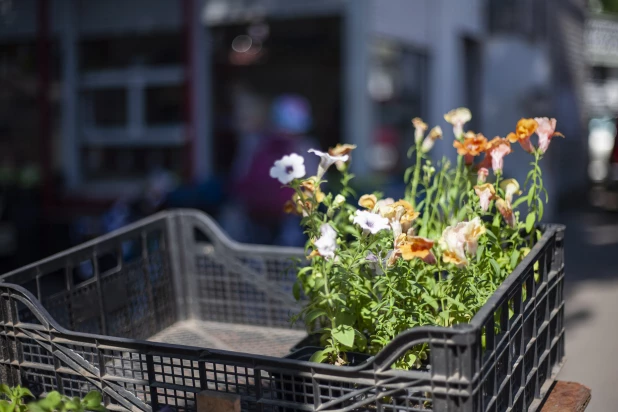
(537, 182)
(417, 172)
(453, 201)
(498, 176)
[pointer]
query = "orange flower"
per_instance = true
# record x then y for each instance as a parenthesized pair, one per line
(523, 131)
(417, 247)
(367, 201)
(410, 247)
(472, 146)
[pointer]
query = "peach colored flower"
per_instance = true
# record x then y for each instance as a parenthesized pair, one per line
(510, 187)
(482, 175)
(486, 193)
(474, 230)
(458, 117)
(459, 239)
(430, 140)
(341, 149)
(367, 201)
(546, 130)
(407, 219)
(497, 149)
(506, 211)
(419, 129)
(404, 211)
(523, 131)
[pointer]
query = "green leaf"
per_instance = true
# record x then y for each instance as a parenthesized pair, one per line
(430, 300)
(24, 392)
(530, 220)
(406, 176)
(445, 315)
(496, 222)
(479, 251)
(296, 291)
(344, 335)
(514, 259)
(519, 202)
(496, 267)
(32, 407)
(5, 406)
(314, 314)
(410, 151)
(51, 401)
(344, 318)
(5, 390)
(541, 207)
(73, 405)
(361, 340)
(457, 303)
(318, 357)
(93, 399)
(531, 194)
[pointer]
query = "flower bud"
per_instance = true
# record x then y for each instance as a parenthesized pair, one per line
(338, 201)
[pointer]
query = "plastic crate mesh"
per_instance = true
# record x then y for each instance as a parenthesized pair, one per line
(155, 276)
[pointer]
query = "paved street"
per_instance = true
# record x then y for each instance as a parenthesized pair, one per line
(592, 305)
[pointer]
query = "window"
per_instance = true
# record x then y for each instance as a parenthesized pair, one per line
(131, 105)
(525, 17)
(398, 79)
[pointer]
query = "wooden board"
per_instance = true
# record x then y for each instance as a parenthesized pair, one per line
(567, 397)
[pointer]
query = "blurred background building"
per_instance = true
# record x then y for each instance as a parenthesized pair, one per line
(98, 94)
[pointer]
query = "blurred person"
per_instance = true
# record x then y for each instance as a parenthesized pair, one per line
(261, 198)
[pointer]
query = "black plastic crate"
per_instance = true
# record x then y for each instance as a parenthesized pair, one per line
(78, 321)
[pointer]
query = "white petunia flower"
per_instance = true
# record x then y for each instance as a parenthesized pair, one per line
(371, 222)
(327, 160)
(288, 168)
(327, 243)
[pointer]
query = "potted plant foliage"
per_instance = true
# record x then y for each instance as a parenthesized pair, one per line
(378, 267)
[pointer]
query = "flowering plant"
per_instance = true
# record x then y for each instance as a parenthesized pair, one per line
(381, 266)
